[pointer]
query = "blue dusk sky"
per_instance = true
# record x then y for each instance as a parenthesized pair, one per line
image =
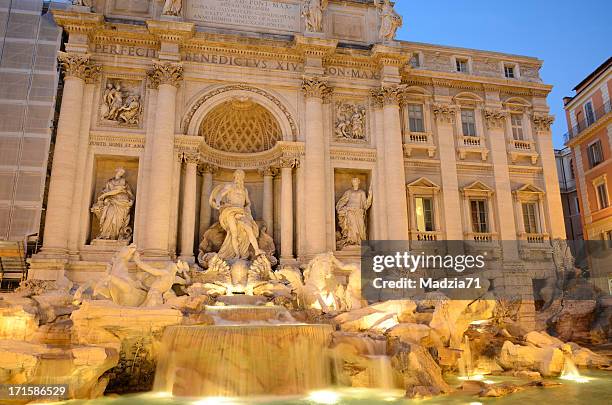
(571, 37)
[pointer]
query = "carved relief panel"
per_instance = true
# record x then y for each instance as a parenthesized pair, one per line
(350, 121)
(121, 103)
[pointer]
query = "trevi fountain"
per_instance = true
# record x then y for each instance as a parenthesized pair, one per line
(216, 179)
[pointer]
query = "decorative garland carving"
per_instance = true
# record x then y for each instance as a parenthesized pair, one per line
(244, 87)
(495, 118)
(444, 112)
(165, 73)
(207, 168)
(542, 122)
(76, 65)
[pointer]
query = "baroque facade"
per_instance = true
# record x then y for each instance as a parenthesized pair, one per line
(453, 143)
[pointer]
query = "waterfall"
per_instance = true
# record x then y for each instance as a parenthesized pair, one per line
(570, 372)
(241, 360)
(465, 361)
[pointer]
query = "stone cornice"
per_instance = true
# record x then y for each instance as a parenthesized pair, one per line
(472, 82)
(75, 22)
(171, 31)
(197, 46)
(107, 35)
(78, 65)
(389, 56)
(314, 47)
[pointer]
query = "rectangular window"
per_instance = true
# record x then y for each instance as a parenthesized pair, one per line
(577, 202)
(509, 72)
(602, 196)
(415, 60)
(478, 210)
(529, 217)
(595, 153)
(415, 118)
(590, 114)
(462, 65)
(517, 126)
(424, 214)
(571, 167)
(468, 122)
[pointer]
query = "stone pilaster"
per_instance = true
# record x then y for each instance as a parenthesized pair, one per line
(268, 174)
(495, 120)
(315, 91)
(208, 171)
(445, 116)
(166, 77)
(286, 166)
(380, 202)
(77, 69)
(189, 207)
(397, 209)
(543, 138)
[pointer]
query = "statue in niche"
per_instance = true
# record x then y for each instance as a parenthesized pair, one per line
(390, 20)
(350, 123)
(172, 7)
(313, 14)
(112, 208)
(232, 201)
(351, 210)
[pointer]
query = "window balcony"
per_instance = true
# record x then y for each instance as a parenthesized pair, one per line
(520, 148)
(582, 125)
(425, 236)
(419, 141)
(472, 144)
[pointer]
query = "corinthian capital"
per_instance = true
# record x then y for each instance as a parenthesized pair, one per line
(444, 112)
(191, 157)
(495, 118)
(315, 87)
(268, 171)
(542, 122)
(77, 65)
(289, 162)
(165, 73)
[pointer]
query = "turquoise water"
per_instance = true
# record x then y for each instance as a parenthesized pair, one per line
(598, 390)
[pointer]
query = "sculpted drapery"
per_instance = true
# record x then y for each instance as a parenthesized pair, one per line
(112, 208)
(172, 7)
(232, 201)
(390, 20)
(351, 210)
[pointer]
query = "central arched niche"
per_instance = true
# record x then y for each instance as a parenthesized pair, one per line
(240, 125)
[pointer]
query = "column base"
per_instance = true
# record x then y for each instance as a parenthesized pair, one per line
(188, 259)
(154, 254)
(288, 261)
(46, 268)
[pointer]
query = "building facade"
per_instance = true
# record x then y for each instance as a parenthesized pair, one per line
(454, 143)
(589, 121)
(29, 42)
(569, 194)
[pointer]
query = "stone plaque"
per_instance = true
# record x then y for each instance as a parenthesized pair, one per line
(276, 15)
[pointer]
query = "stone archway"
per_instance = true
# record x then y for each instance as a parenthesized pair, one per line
(203, 105)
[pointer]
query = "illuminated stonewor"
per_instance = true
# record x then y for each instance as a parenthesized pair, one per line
(216, 166)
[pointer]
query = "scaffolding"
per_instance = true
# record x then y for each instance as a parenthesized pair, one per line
(29, 42)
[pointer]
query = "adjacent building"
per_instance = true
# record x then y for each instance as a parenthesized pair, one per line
(589, 121)
(569, 194)
(29, 42)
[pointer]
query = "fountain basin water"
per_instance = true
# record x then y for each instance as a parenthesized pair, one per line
(243, 360)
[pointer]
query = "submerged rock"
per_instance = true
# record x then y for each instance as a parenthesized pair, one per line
(547, 361)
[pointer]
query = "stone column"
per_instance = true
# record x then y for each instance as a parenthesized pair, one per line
(445, 119)
(543, 138)
(167, 77)
(189, 207)
(397, 210)
(208, 171)
(287, 166)
(379, 206)
(268, 198)
(315, 90)
(495, 120)
(77, 68)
